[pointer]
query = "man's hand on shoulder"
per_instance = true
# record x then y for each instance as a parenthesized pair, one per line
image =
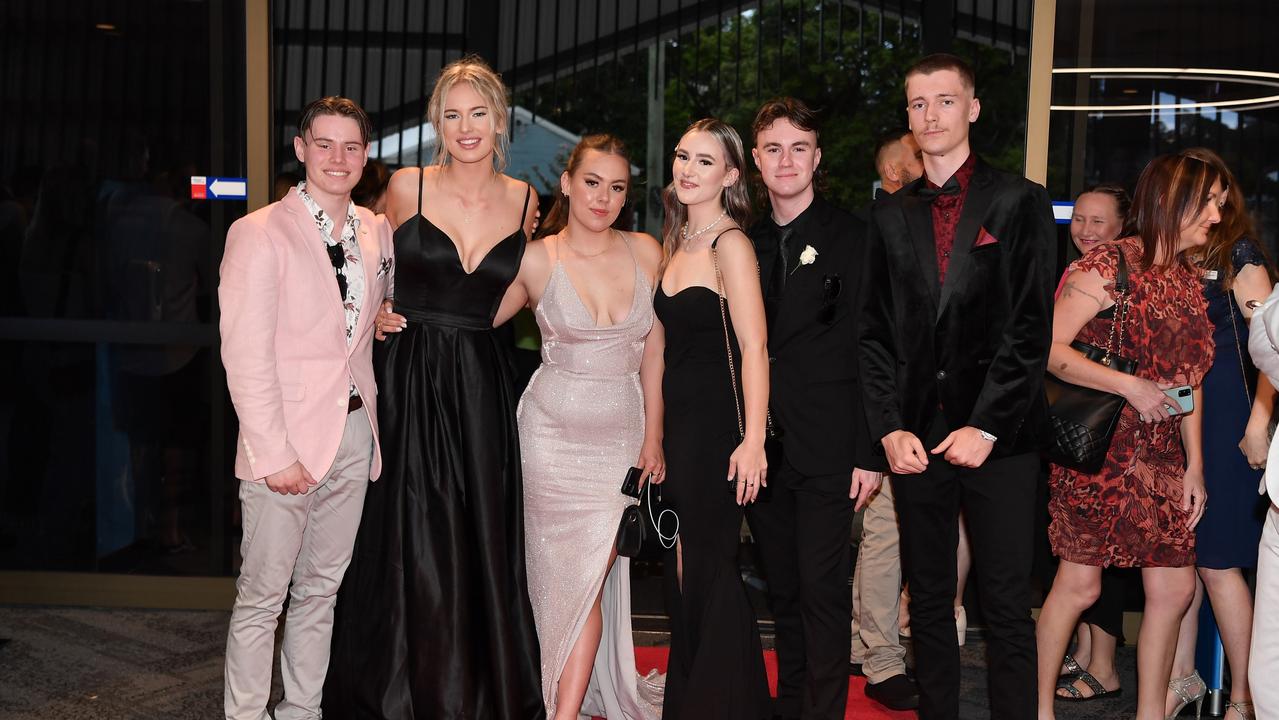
(966, 447)
(292, 480)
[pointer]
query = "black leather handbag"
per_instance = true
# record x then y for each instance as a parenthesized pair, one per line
(641, 524)
(630, 532)
(1083, 420)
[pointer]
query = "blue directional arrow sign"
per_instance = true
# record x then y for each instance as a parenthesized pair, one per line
(219, 188)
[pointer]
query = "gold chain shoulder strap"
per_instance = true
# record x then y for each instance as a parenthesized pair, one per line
(728, 344)
(1115, 345)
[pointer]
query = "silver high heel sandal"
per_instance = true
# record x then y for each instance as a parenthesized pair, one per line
(1244, 708)
(1181, 687)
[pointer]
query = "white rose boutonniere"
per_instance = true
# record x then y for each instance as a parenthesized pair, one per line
(808, 257)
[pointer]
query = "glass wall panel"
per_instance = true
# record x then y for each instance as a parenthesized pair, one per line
(112, 439)
(1135, 79)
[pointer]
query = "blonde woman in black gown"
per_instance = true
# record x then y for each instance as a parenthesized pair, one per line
(433, 619)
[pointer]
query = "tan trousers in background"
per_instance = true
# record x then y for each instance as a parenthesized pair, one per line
(877, 583)
(306, 540)
(1263, 661)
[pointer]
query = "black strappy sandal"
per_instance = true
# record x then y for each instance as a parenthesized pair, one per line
(1076, 695)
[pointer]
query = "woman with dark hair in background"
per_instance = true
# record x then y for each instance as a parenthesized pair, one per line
(711, 311)
(1141, 508)
(1237, 276)
(370, 192)
(592, 410)
(1089, 672)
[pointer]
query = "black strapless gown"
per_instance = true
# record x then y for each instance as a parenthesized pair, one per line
(433, 620)
(716, 667)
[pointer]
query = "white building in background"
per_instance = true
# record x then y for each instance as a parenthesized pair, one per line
(539, 149)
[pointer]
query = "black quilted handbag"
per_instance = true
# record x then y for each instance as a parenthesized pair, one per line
(1083, 419)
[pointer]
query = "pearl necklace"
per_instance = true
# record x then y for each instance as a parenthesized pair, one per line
(688, 236)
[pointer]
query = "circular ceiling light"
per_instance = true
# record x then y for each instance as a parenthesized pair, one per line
(1241, 77)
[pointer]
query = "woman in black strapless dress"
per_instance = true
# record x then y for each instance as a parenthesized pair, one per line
(716, 667)
(433, 619)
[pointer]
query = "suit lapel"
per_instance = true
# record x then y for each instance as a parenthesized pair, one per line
(310, 237)
(919, 220)
(370, 259)
(976, 202)
(815, 235)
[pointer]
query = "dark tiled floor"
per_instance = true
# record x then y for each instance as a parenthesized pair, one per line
(81, 663)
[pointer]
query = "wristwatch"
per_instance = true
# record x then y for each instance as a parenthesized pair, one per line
(987, 436)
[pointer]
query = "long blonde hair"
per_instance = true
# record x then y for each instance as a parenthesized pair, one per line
(735, 197)
(488, 84)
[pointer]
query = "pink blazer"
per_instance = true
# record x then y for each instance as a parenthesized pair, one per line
(284, 338)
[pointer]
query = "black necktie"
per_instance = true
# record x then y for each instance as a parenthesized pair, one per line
(777, 284)
(929, 193)
(337, 257)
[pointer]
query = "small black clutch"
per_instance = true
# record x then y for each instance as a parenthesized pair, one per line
(630, 532)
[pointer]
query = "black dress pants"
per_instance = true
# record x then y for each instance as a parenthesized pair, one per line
(802, 531)
(998, 501)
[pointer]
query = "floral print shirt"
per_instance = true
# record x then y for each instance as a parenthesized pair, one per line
(351, 248)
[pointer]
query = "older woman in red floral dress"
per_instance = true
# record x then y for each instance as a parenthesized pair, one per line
(1140, 509)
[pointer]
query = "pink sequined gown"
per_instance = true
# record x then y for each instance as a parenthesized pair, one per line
(581, 424)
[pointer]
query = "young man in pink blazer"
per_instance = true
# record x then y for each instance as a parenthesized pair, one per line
(301, 281)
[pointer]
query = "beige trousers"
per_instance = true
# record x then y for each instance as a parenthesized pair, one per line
(1263, 661)
(299, 545)
(877, 584)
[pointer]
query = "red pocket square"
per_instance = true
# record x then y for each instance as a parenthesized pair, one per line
(984, 238)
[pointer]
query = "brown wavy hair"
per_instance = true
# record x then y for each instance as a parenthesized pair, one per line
(557, 217)
(1236, 224)
(735, 198)
(1171, 189)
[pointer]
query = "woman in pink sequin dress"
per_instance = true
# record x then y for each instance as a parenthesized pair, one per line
(592, 410)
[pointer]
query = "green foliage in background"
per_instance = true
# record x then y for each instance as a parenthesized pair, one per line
(855, 83)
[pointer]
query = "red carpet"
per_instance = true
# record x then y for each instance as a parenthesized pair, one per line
(647, 658)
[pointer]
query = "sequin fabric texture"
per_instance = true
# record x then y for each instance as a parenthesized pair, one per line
(581, 425)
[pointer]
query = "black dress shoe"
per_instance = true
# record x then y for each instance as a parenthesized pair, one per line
(896, 693)
(855, 669)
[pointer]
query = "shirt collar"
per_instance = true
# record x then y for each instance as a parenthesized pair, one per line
(961, 176)
(322, 219)
(800, 221)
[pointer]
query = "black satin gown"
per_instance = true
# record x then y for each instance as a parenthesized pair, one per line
(716, 667)
(433, 619)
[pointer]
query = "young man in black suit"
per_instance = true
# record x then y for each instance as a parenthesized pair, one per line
(955, 330)
(810, 255)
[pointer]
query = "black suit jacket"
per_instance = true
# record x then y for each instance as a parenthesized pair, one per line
(814, 395)
(976, 347)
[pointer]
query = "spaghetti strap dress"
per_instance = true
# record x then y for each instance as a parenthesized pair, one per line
(581, 426)
(433, 619)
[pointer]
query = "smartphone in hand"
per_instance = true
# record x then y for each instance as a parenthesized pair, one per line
(1183, 399)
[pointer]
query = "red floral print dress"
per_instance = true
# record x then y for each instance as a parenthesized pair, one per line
(1129, 514)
